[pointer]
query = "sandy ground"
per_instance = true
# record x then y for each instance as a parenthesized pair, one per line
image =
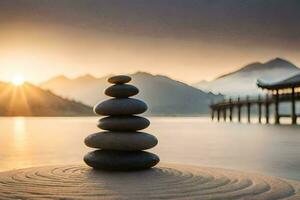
(167, 181)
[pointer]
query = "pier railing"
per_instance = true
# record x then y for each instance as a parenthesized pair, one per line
(227, 106)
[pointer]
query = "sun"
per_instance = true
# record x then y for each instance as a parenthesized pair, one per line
(18, 80)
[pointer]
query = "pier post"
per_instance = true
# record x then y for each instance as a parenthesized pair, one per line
(230, 109)
(267, 108)
(294, 117)
(224, 114)
(248, 109)
(259, 109)
(212, 110)
(218, 114)
(239, 109)
(276, 107)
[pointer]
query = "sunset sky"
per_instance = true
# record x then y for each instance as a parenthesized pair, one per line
(188, 40)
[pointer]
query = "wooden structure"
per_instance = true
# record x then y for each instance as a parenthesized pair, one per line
(282, 91)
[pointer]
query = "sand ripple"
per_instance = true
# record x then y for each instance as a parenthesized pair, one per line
(163, 182)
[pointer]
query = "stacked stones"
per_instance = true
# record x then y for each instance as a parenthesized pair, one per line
(121, 146)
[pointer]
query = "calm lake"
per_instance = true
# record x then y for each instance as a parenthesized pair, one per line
(268, 149)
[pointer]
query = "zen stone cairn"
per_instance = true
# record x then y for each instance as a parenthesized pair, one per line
(120, 147)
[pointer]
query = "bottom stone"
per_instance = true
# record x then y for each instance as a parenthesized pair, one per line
(120, 160)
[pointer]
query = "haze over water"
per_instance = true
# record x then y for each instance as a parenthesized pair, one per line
(267, 149)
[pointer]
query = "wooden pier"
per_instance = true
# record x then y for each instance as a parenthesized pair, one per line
(283, 91)
(226, 109)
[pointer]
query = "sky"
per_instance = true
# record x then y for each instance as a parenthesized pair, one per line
(188, 40)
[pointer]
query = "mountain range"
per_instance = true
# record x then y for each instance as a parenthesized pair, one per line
(163, 95)
(62, 96)
(243, 81)
(30, 100)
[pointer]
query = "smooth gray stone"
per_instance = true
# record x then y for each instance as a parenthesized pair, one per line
(121, 91)
(120, 79)
(128, 106)
(125, 141)
(123, 123)
(120, 160)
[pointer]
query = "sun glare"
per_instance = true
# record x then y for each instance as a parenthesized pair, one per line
(18, 80)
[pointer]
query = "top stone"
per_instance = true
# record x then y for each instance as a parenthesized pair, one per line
(120, 79)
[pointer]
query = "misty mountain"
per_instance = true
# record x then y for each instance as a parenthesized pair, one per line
(163, 95)
(30, 100)
(243, 81)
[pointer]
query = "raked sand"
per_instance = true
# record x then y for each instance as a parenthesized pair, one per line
(167, 181)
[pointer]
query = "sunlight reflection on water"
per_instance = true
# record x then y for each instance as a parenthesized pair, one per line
(19, 146)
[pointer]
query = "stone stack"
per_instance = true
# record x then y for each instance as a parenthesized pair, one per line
(121, 146)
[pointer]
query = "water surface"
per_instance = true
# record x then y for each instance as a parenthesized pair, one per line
(268, 149)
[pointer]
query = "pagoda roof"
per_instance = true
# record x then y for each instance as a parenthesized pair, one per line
(291, 82)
